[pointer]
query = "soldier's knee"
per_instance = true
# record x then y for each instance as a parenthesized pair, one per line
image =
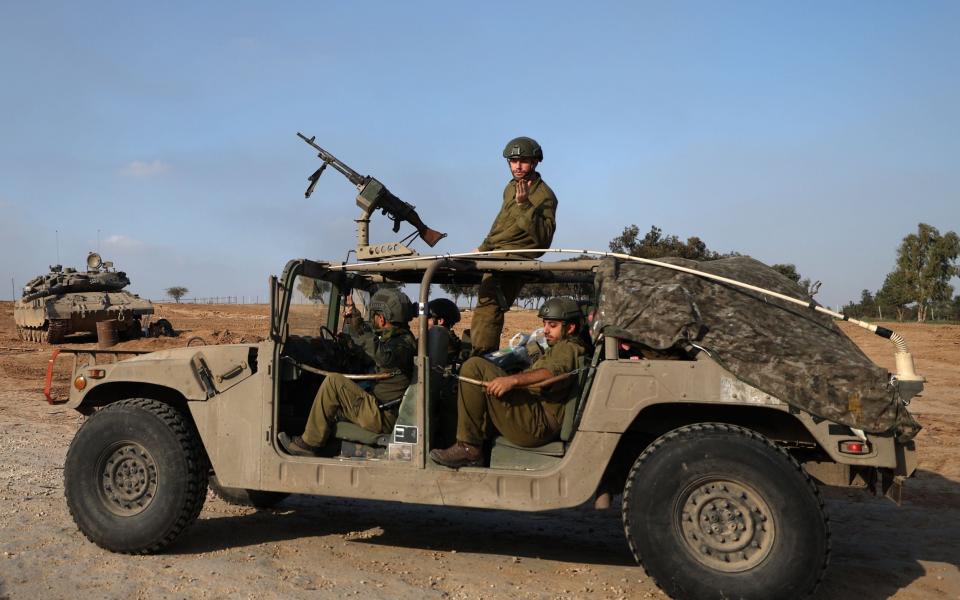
(473, 366)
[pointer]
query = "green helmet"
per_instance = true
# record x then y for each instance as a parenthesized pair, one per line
(443, 308)
(523, 147)
(561, 308)
(393, 304)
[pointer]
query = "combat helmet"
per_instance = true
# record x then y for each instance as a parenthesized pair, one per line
(561, 308)
(444, 308)
(393, 304)
(523, 147)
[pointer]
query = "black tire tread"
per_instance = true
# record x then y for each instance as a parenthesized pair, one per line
(196, 468)
(697, 429)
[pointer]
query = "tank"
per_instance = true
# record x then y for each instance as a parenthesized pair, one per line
(67, 301)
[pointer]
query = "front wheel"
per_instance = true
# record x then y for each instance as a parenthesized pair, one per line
(135, 476)
(718, 511)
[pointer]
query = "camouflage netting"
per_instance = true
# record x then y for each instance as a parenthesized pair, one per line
(795, 354)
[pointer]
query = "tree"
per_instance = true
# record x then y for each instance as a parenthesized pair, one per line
(894, 295)
(656, 245)
(789, 270)
(455, 290)
(926, 261)
(314, 290)
(177, 292)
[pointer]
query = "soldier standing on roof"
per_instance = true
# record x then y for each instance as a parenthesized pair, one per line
(527, 219)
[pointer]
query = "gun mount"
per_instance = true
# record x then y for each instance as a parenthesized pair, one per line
(373, 196)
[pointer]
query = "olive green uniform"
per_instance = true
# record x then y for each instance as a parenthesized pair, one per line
(340, 399)
(517, 227)
(527, 417)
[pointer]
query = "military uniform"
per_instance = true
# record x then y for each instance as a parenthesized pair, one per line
(339, 398)
(525, 416)
(517, 227)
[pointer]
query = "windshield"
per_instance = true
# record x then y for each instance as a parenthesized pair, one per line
(308, 306)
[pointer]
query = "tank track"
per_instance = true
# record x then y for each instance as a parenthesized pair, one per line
(52, 333)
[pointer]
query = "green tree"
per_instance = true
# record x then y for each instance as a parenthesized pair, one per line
(455, 290)
(656, 245)
(314, 290)
(176, 292)
(789, 270)
(894, 295)
(926, 261)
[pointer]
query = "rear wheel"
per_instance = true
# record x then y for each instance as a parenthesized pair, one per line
(244, 497)
(135, 476)
(718, 511)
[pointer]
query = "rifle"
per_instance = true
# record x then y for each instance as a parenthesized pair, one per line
(373, 195)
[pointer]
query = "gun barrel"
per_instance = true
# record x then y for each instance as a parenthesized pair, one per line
(355, 178)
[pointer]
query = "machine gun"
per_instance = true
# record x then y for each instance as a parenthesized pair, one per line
(372, 196)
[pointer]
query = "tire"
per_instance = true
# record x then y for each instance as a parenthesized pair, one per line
(161, 327)
(244, 497)
(718, 511)
(135, 476)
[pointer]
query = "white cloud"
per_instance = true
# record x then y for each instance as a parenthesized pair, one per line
(122, 242)
(145, 169)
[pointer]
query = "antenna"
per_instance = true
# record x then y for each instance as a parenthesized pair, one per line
(13, 290)
(98, 241)
(57, 233)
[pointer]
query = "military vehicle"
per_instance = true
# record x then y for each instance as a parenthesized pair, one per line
(717, 438)
(65, 301)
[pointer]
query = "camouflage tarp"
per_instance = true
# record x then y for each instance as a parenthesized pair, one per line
(794, 353)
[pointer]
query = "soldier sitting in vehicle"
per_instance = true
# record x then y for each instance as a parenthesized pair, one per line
(446, 353)
(526, 416)
(392, 347)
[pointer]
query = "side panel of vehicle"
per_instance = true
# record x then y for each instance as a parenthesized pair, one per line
(623, 390)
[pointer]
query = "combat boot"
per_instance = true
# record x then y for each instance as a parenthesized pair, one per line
(459, 455)
(297, 446)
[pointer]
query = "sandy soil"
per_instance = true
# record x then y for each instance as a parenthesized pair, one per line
(328, 548)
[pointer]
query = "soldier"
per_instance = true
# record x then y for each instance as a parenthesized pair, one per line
(527, 219)
(392, 348)
(525, 416)
(444, 313)
(446, 349)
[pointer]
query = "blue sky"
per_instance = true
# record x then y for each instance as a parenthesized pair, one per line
(817, 133)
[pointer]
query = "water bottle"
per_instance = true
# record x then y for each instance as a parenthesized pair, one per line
(508, 358)
(539, 337)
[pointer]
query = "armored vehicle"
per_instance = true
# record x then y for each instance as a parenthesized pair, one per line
(65, 301)
(719, 463)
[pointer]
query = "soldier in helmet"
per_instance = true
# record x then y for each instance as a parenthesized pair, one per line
(446, 350)
(392, 348)
(526, 416)
(527, 219)
(444, 314)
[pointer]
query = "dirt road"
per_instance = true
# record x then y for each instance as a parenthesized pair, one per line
(330, 548)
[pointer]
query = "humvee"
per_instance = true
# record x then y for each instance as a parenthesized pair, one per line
(720, 482)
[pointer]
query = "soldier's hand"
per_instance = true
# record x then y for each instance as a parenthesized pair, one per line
(523, 186)
(501, 385)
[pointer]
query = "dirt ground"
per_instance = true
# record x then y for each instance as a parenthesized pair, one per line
(329, 548)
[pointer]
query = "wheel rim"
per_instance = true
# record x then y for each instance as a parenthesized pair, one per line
(127, 478)
(725, 525)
